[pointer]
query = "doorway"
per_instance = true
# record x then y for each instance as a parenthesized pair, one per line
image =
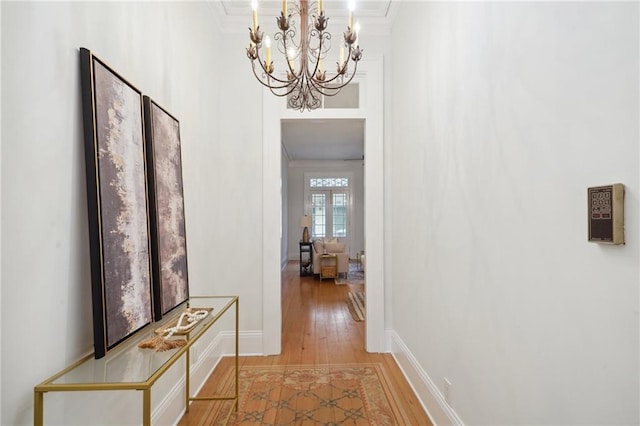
(274, 111)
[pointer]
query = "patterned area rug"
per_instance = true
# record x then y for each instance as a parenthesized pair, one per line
(355, 275)
(355, 301)
(314, 394)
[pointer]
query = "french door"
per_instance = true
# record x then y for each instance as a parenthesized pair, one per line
(330, 213)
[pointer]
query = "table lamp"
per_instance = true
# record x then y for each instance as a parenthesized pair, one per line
(305, 221)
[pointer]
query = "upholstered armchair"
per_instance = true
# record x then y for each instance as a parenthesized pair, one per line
(331, 246)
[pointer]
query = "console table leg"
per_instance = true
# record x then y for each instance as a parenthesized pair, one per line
(237, 352)
(187, 381)
(146, 407)
(38, 408)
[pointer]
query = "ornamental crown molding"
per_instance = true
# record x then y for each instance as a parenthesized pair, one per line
(376, 16)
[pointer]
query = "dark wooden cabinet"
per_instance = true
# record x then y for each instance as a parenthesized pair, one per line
(306, 259)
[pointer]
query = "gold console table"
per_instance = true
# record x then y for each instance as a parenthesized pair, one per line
(109, 372)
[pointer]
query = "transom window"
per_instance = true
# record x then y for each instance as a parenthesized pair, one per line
(329, 182)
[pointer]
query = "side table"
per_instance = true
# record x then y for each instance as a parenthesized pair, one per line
(328, 266)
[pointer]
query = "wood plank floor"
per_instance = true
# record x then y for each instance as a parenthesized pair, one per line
(317, 328)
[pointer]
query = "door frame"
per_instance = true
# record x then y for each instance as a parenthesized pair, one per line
(370, 78)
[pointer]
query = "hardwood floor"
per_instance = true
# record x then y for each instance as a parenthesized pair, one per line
(317, 329)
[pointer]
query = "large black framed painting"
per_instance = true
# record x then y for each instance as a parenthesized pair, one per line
(168, 234)
(117, 204)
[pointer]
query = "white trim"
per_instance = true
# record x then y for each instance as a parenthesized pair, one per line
(172, 408)
(1, 210)
(236, 22)
(271, 225)
(324, 164)
(250, 343)
(370, 77)
(374, 204)
(432, 400)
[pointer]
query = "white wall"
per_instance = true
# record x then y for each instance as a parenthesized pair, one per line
(235, 189)
(296, 171)
(511, 112)
(172, 52)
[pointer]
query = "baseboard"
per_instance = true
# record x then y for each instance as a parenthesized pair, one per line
(432, 400)
(203, 361)
(250, 343)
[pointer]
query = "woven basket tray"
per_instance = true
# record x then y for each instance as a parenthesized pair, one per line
(328, 270)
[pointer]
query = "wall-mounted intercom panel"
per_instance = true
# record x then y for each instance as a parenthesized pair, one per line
(606, 214)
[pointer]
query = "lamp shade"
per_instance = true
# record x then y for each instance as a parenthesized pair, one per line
(305, 221)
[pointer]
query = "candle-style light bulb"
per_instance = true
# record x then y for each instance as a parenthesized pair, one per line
(254, 7)
(291, 53)
(267, 43)
(352, 6)
(319, 7)
(284, 8)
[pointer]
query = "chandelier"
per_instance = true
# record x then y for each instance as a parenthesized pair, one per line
(304, 80)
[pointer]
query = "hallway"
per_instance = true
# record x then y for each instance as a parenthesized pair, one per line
(318, 329)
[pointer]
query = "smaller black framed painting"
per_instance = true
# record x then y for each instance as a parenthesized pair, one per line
(168, 232)
(119, 242)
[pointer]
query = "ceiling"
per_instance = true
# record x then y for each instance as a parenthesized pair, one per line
(327, 139)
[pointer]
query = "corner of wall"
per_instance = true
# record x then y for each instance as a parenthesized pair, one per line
(432, 400)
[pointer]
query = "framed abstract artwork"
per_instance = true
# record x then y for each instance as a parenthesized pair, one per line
(119, 237)
(168, 234)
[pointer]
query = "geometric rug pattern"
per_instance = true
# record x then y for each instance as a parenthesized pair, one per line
(312, 394)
